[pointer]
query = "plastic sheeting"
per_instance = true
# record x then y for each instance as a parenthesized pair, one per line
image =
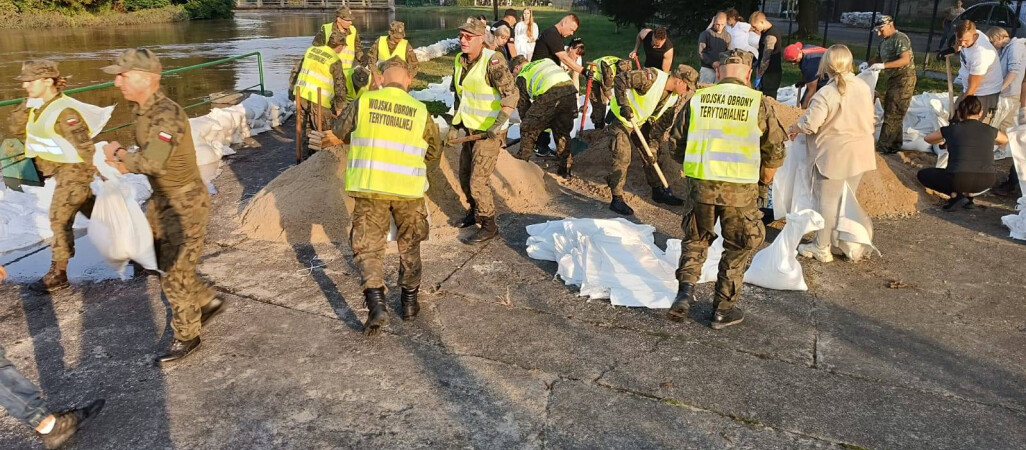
(1016, 223)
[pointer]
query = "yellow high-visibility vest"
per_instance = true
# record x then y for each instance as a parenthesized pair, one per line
(643, 106)
(479, 102)
(348, 54)
(670, 102)
(542, 75)
(316, 73)
(611, 60)
(42, 139)
(351, 91)
(385, 55)
(723, 134)
(387, 147)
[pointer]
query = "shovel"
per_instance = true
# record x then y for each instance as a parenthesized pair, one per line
(648, 152)
(578, 145)
(636, 61)
(951, 88)
(299, 128)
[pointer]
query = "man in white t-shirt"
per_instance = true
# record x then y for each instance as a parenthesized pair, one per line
(980, 73)
(740, 33)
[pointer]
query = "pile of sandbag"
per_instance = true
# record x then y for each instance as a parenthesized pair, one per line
(862, 19)
(438, 49)
(437, 92)
(1016, 223)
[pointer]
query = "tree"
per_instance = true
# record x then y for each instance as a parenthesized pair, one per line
(808, 19)
(681, 17)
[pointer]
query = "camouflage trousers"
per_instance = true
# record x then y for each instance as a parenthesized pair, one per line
(179, 222)
(598, 101)
(555, 109)
(71, 196)
(900, 86)
(622, 142)
(743, 233)
(310, 121)
(477, 162)
(370, 229)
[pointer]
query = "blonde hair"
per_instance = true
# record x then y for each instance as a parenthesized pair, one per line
(995, 33)
(835, 64)
(528, 24)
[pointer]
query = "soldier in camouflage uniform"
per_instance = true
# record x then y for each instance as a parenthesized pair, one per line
(41, 79)
(603, 90)
(396, 34)
(733, 204)
(554, 109)
(374, 207)
(896, 60)
(681, 82)
(338, 96)
(477, 158)
(343, 23)
(180, 205)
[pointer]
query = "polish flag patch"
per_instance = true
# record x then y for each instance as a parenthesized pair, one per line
(164, 136)
(72, 121)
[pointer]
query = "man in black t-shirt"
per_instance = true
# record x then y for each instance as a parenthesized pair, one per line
(770, 70)
(657, 46)
(508, 21)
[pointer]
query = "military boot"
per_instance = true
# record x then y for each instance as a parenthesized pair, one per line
(620, 207)
(724, 318)
(487, 231)
(67, 423)
(408, 303)
(377, 311)
(470, 220)
(679, 310)
(665, 196)
(179, 349)
(565, 172)
(54, 280)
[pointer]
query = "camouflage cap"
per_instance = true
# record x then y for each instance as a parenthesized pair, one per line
(687, 73)
(735, 56)
(394, 61)
(397, 29)
(623, 65)
(882, 20)
(343, 12)
(473, 26)
(336, 39)
(361, 76)
(141, 59)
(35, 69)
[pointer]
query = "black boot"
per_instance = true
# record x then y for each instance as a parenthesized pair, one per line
(487, 231)
(679, 310)
(665, 196)
(67, 423)
(470, 220)
(210, 310)
(565, 172)
(54, 280)
(957, 202)
(620, 207)
(377, 311)
(408, 303)
(179, 350)
(724, 318)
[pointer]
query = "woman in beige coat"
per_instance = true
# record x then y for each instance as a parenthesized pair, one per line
(839, 125)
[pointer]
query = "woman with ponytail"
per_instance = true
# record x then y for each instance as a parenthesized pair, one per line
(58, 132)
(839, 125)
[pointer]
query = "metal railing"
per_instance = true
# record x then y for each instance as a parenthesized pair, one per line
(208, 100)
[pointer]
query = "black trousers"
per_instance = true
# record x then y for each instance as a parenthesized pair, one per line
(771, 82)
(942, 181)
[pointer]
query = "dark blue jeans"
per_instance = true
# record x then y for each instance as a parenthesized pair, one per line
(19, 396)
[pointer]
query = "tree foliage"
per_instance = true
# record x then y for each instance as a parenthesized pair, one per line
(680, 17)
(197, 9)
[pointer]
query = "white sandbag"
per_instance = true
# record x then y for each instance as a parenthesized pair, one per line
(792, 184)
(870, 77)
(118, 227)
(788, 95)
(281, 108)
(436, 50)
(1016, 223)
(437, 92)
(776, 266)
(854, 228)
(258, 113)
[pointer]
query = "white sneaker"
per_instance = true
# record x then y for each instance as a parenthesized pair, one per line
(810, 250)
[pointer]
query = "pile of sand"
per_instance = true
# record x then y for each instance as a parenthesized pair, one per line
(890, 190)
(308, 202)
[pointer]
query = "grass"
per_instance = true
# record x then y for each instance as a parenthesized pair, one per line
(54, 19)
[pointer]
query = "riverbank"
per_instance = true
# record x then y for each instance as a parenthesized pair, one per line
(53, 19)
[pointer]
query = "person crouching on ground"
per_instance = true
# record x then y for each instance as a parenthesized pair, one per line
(839, 122)
(970, 143)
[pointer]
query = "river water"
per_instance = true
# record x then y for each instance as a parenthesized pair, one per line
(281, 37)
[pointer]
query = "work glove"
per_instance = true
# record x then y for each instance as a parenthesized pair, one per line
(758, 82)
(763, 195)
(587, 72)
(451, 135)
(626, 113)
(877, 67)
(315, 138)
(946, 52)
(863, 67)
(496, 129)
(1022, 115)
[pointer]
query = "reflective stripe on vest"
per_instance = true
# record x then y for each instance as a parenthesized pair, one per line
(387, 147)
(643, 106)
(316, 73)
(385, 55)
(348, 54)
(479, 102)
(723, 134)
(611, 61)
(42, 139)
(351, 92)
(542, 75)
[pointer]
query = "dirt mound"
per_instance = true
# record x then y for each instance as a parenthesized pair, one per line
(308, 202)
